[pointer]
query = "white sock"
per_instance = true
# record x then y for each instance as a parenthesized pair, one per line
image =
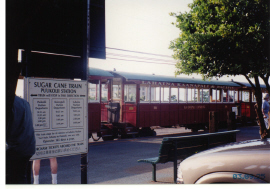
(36, 179)
(54, 178)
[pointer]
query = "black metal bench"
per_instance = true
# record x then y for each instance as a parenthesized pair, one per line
(179, 148)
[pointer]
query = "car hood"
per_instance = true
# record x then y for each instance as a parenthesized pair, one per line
(247, 157)
(249, 145)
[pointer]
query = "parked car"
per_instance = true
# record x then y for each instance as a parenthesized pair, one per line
(239, 162)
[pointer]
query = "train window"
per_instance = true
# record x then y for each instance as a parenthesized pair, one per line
(130, 93)
(155, 93)
(236, 96)
(144, 93)
(193, 95)
(213, 95)
(200, 92)
(245, 96)
(253, 97)
(174, 95)
(116, 91)
(190, 95)
(225, 95)
(197, 95)
(182, 95)
(231, 95)
(93, 92)
(205, 95)
(165, 94)
(216, 95)
(104, 92)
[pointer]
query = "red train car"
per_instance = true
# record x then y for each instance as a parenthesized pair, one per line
(122, 103)
(99, 82)
(246, 100)
(166, 101)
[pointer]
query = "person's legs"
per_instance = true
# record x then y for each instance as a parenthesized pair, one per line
(53, 163)
(266, 121)
(36, 168)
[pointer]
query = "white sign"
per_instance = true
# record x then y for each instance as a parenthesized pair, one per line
(59, 109)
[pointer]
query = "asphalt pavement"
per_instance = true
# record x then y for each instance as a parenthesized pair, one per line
(115, 162)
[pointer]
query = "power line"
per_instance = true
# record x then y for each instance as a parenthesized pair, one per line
(138, 52)
(141, 61)
(137, 57)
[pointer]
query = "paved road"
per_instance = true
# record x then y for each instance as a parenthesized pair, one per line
(115, 162)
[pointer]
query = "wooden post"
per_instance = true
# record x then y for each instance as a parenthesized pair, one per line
(84, 165)
(213, 122)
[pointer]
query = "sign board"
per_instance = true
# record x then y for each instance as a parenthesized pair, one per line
(59, 110)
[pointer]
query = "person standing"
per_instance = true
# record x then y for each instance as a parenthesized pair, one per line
(20, 142)
(36, 168)
(265, 110)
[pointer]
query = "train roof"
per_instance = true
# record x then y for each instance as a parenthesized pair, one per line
(148, 77)
(244, 84)
(99, 72)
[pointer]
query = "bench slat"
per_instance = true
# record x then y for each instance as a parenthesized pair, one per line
(153, 160)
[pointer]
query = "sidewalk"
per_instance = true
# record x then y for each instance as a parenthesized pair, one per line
(115, 162)
(141, 173)
(165, 171)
